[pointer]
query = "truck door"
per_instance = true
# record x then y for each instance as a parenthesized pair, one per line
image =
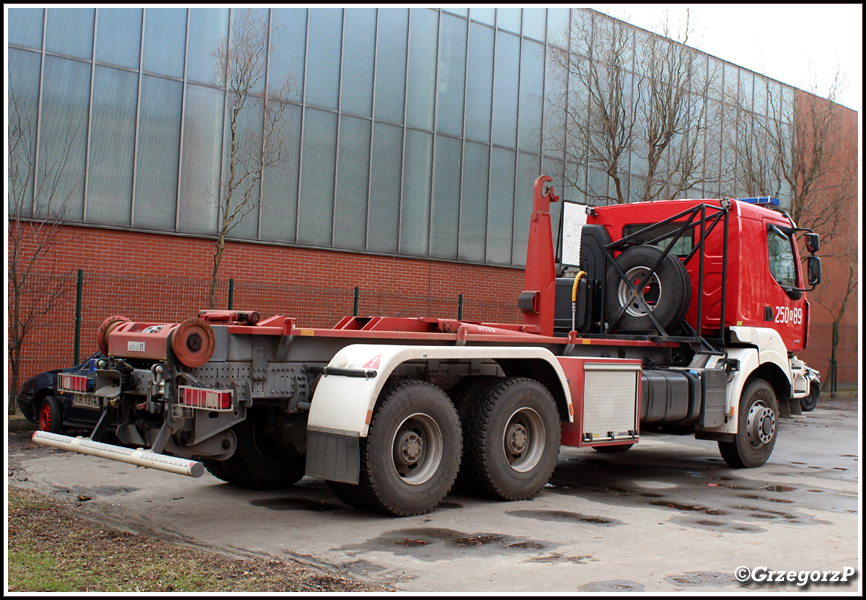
(785, 306)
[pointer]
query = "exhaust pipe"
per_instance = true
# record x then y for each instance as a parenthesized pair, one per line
(132, 456)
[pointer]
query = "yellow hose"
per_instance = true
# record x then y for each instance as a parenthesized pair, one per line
(577, 278)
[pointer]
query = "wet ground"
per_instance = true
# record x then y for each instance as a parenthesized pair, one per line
(669, 515)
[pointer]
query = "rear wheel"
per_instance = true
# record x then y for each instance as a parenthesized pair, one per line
(756, 427)
(263, 460)
(513, 440)
(50, 415)
(411, 455)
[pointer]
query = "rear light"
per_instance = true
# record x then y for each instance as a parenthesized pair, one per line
(207, 399)
(76, 384)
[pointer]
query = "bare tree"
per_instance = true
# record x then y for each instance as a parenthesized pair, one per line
(38, 205)
(633, 103)
(802, 151)
(256, 133)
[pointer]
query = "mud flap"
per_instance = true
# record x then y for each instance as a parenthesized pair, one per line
(333, 456)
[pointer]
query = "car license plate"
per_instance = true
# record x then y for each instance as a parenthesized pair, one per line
(85, 401)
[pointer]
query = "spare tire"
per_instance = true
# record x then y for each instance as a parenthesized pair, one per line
(667, 293)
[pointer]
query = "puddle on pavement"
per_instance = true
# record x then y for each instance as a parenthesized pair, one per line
(690, 487)
(563, 516)
(615, 585)
(700, 578)
(434, 544)
(296, 504)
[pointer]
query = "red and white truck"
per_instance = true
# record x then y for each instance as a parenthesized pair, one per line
(677, 315)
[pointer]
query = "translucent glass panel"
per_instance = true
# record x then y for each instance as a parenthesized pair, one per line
(479, 82)
(63, 137)
(350, 205)
(391, 64)
(415, 209)
(528, 169)
(118, 36)
(70, 31)
(23, 110)
(158, 153)
(279, 210)
(316, 205)
(248, 47)
(473, 207)
(557, 25)
(500, 207)
(531, 90)
(359, 39)
(286, 55)
(506, 77)
(200, 167)
(555, 102)
(423, 39)
(534, 22)
(452, 72)
(112, 146)
(508, 19)
(242, 182)
(446, 198)
(164, 41)
(323, 59)
(483, 15)
(25, 27)
(208, 33)
(385, 186)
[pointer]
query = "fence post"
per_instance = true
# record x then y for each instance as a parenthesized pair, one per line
(833, 374)
(78, 289)
(231, 293)
(460, 307)
(355, 303)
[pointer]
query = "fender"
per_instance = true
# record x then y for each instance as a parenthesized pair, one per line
(343, 405)
(765, 347)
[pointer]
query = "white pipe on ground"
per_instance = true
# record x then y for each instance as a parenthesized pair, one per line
(133, 456)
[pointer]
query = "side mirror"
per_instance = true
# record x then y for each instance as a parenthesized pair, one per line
(813, 264)
(813, 242)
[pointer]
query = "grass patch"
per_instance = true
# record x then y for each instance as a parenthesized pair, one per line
(52, 549)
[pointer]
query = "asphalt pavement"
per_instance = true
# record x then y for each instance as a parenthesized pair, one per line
(668, 516)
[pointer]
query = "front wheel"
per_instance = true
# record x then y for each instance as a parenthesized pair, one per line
(756, 427)
(411, 455)
(808, 403)
(512, 442)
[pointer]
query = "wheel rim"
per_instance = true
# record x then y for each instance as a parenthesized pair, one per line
(650, 292)
(45, 418)
(417, 449)
(523, 440)
(760, 425)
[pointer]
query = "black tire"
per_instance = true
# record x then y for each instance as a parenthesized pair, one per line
(466, 395)
(411, 455)
(808, 403)
(667, 294)
(757, 427)
(262, 460)
(619, 449)
(512, 443)
(216, 468)
(50, 415)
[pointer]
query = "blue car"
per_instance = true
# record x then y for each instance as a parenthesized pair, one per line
(43, 401)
